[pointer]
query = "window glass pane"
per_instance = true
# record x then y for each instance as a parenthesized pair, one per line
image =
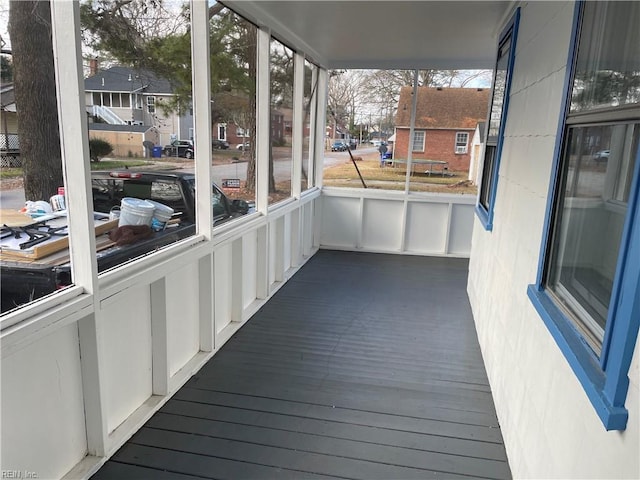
(219, 207)
(608, 64)
(34, 215)
(462, 139)
(309, 111)
(418, 141)
(590, 215)
(495, 120)
(233, 108)
(151, 104)
(499, 88)
(149, 116)
(280, 157)
(487, 175)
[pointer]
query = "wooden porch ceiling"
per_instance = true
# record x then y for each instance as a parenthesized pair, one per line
(361, 366)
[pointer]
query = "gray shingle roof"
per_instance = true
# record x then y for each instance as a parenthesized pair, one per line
(116, 79)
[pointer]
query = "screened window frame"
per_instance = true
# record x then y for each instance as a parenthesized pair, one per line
(604, 378)
(151, 104)
(485, 213)
(459, 144)
(423, 142)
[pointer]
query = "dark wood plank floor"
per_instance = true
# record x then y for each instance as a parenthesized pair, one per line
(362, 366)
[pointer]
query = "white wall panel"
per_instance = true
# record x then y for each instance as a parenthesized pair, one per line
(183, 328)
(287, 237)
(126, 339)
(382, 224)
(533, 66)
(460, 229)
(435, 224)
(427, 225)
(222, 286)
(43, 428)
(249, 268)
(272, 246)
(307, 228)
(340, 221)
(550, 428)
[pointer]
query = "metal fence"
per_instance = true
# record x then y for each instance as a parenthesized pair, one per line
(10, 150)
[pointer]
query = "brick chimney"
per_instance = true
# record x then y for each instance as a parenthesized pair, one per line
(93, 67)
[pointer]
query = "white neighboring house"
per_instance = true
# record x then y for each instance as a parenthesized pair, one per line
(127, 96)
(9, 140)
(477, 144)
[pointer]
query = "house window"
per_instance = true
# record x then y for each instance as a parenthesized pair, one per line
(151, 104)
(497, 119)
(222, 131)
(462, 140)
(588, 286)
(418, 141)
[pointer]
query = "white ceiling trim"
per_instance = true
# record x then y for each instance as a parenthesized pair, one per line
(384, 34)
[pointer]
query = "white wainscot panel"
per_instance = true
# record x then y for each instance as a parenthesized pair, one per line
(427, 225)
(126, 345)
(307, 231)
(249, 268)
(461, 229)
(222, 286)
(382, 224)
(340, 221)
(287, 225)
(273, 250)
(43, 429)
(183, 328)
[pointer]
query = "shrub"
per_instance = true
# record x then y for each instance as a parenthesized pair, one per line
(99, 148)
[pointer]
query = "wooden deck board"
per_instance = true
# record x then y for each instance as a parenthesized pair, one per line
(361, 366)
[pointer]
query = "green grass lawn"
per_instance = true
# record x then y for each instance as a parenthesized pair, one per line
(393, 178)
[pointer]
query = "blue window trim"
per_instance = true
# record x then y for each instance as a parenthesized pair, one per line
(511, 29)
(604, 379)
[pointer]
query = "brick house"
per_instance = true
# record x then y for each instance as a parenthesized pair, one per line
(446, 119)
(236, 135)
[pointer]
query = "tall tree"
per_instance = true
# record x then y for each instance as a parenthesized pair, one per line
(36, 100)
(345, 96)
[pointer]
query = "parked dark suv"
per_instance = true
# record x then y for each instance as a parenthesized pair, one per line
(179, 148)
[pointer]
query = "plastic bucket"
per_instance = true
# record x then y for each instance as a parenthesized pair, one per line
(134, 211)
(114, 213)
(161, 215)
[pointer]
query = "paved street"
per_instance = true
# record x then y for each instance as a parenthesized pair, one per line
(14, 198)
